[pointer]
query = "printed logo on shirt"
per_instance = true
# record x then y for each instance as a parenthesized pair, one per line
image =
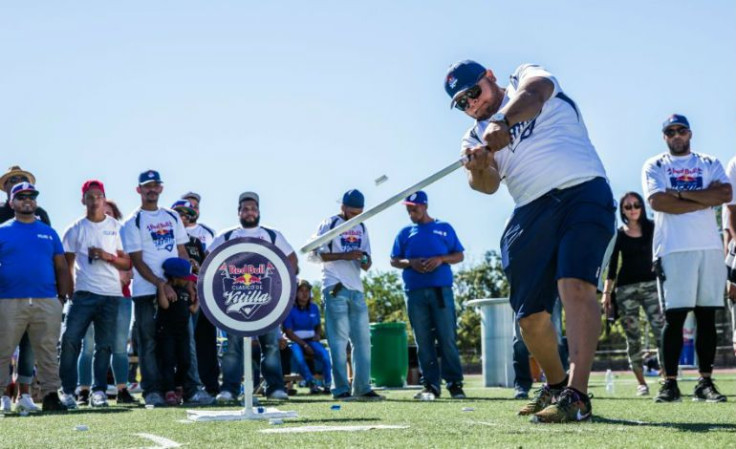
(110, 233)
(162, 235)
(686, 178)
(44, 236)
(521, 131)
(351, 240)
(439, 232)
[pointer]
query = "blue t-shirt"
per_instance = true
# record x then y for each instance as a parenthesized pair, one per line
(303, 322)
(436, 238)
(27, 253)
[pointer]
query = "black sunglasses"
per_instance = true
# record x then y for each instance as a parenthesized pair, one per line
(636, 206)
(470, 94)
(671, 132)
(25, 196)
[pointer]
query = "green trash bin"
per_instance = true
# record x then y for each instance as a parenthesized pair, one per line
(389, 354)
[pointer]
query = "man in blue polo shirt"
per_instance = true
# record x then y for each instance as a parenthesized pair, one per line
(33, 274)
(425, 251)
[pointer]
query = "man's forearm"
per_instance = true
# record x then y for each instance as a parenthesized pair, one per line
(669, 204)
(712, 196)
(484, 181)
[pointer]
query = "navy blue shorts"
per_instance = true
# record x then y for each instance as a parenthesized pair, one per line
(563, 234)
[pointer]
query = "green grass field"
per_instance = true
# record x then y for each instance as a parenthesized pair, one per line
(621, 421)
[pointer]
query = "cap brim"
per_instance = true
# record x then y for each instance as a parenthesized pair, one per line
(458, 94)
(412, 203)
(4, 178)
(35, 192)
(150, 181)
(675, 124)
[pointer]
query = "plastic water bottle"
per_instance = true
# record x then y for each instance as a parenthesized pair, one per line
(609, 382)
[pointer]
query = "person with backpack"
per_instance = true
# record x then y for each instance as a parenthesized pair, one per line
(232, 360)
(346, 313)
(151, 234)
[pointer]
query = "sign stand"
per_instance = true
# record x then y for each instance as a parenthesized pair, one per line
(249, 412)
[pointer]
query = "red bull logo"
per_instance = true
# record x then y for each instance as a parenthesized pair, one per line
(247, 280)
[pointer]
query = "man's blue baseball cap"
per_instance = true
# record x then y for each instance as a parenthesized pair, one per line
(353, 198)
(416, 199)
(149, 176)
(461, 76)
(675, 119)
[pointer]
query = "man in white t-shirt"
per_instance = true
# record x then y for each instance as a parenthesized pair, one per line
(728, 219)
(93, 246)
(346, 313)
(232, 360)
(205, 234)
(683, 188)
(531, 136)
(151, 234)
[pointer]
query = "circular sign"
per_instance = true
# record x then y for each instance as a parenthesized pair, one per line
(246, 286)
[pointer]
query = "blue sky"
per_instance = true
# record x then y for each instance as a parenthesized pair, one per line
(301, 101)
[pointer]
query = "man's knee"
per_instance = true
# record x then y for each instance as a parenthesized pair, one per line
(533, 323)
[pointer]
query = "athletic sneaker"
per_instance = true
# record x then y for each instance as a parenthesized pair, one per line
(171, 398)
(68, 401)
(642, 390)
(200, 397)
(52, 403)
(135, 387)
(124, 397)
(5, 404)
(429, 393)
(456, 391)
(155, 399)
(224, 397)
(279, 395)
(343, 397)
(25, 404)
(83, 397)
(571, 406)
(98, 399)
(314, 388)
(543, 397)
(706, 391)
(371, 396)
(668, 392)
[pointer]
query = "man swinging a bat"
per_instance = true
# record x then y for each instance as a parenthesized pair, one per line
(532, 136)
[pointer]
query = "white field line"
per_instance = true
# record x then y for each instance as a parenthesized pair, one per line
(163, 443)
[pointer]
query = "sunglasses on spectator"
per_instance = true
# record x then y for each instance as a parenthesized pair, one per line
(470, 94)
(671, 132)
(17, 179)
(636, 206)
(23, 197)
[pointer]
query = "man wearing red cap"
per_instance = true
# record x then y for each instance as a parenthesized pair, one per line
(94, 248)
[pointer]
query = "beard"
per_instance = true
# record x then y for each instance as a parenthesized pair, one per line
(679, 148)
(250, 223)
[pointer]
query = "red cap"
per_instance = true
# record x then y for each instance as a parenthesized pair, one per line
(93, 183)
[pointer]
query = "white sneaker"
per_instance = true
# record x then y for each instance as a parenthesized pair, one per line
(68, 400)
(642, 390)
(155, 399)
(5, 404)
(98, 399)
(134, 387)
(25, 404)
(224, 397)
(279, 395)
(201, 397)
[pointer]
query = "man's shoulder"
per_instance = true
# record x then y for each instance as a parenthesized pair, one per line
(206, 229)
(657, 160)
(706, 158)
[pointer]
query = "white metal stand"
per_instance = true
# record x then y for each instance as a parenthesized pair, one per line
(248, 412)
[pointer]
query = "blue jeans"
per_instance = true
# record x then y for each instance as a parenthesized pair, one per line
(145, 328)
(320, 353)
(26, 361)
(87, 308)
(119, 347)
(346, 319)
(232, 362)
(522, 371)
(432, 317)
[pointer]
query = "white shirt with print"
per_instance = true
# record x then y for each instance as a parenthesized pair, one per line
(345, 271)
(550, 151)
(257, 233)
(98, 277)
(203, 233)
(691, 231)
(157, 235)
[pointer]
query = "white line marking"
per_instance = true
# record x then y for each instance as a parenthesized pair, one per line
(164, 443)
(305, 429)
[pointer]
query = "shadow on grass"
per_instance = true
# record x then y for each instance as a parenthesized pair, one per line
(458, 401)
(338, 420)
(682, 427)
(76, 412)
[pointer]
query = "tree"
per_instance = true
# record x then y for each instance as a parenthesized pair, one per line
(384, 296)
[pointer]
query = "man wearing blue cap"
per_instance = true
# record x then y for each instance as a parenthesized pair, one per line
(531, 135)
(425, 251)
(683, 187)
(346, 313)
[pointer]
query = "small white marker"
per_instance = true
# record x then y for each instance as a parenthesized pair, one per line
(82, 428)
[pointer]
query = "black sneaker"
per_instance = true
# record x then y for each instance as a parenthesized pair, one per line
(706, 391)
(124, 397)
(370, 397)
(668, 392)
(344, 396)
(83, 397)
(456, 391)
(52, 403)
(314, 388)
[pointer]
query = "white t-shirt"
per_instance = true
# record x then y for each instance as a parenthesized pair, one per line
(203, 233)
(257, 233)
(551, 151)
(345, 271)
(98, 277)
(156, 234)
(731, 173)
(692, 231)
